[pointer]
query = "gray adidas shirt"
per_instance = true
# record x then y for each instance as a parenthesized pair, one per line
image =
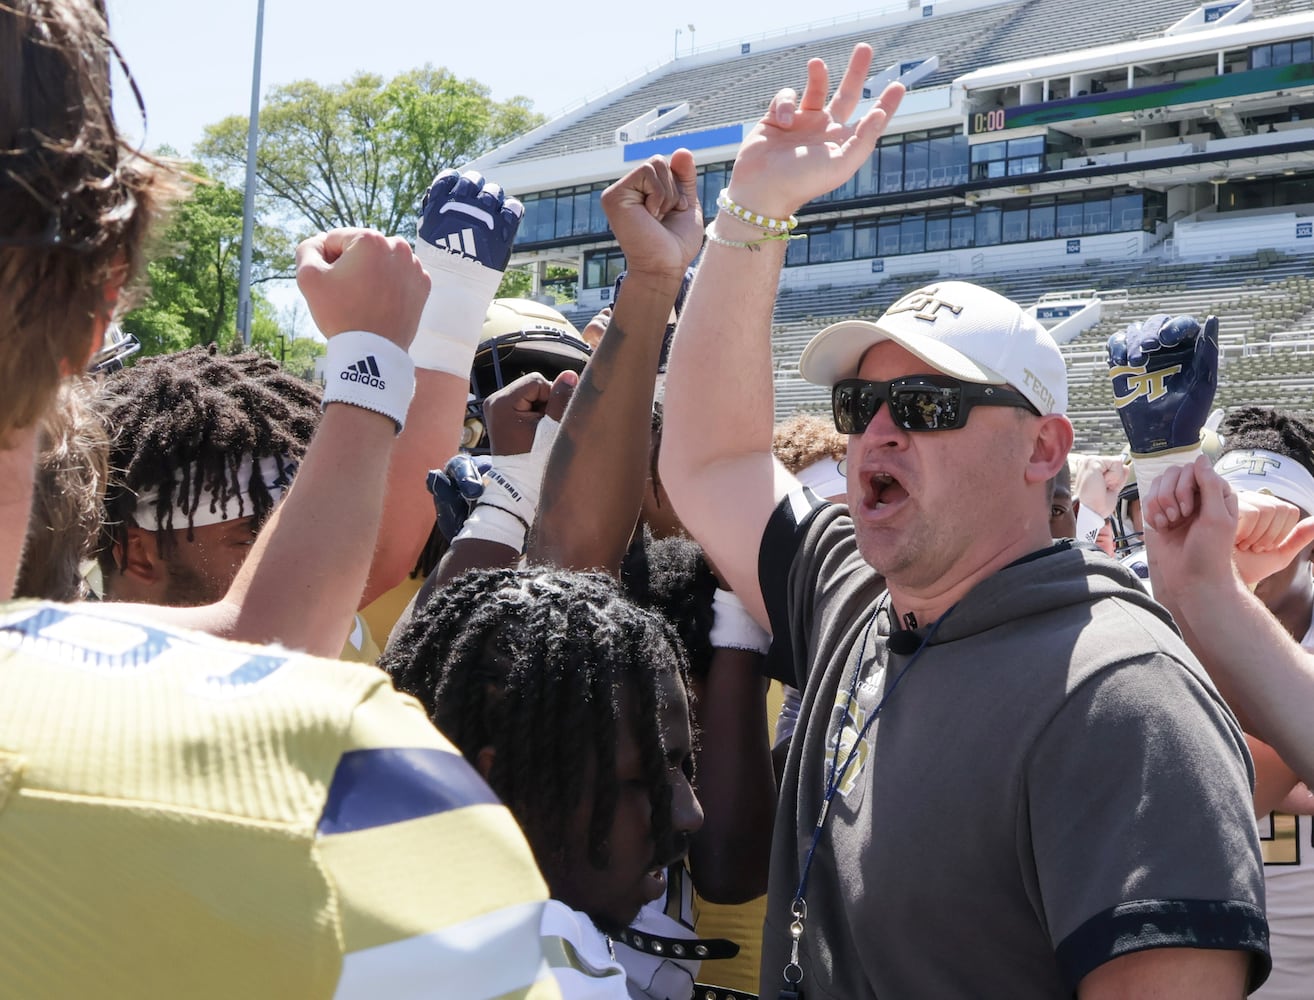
(1054, 783)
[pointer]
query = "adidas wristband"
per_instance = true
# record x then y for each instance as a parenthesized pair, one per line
(369, 371)
(460, 292)
(733, 627)
(1088, 524)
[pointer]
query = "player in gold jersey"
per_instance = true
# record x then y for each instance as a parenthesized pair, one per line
(181, 816)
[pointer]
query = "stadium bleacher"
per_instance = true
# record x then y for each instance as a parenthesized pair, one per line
(1262, 300)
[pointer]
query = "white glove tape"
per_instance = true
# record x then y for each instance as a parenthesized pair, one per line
(460, 292)
(369, 371)
(511, 490)
(1151, 467)
(733, 627)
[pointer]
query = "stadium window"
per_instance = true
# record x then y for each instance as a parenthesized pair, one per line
(912, 233)
(868, 178)
(797, 252)
(537, 223)
(602, 268)
(891, 168)
(1302, 51)
(988, 226)
(916, 162)
(864, 240)
(1015, 223)
(582, 224)
(1096, 216)
(887, 242)
(937, 231)
(962, 228)
(1069, 216)
(564, 216)
(1041, 221)
(1127, 211)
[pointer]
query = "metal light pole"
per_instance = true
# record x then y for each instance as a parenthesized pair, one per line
(677, 44)
(248, 202)
(692, 42)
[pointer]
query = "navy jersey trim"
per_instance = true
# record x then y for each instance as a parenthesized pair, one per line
(1167, 923)
(781, 540)
(391, 785)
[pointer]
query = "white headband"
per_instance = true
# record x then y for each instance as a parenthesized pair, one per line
(210, 510)
(1267, 472)
(825, 478)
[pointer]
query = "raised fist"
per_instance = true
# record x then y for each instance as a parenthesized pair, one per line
(1164, 373)
(464, 215)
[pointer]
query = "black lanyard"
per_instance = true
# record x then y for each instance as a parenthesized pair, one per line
(793, 971)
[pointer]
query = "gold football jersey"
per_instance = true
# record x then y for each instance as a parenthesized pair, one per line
(186, 817)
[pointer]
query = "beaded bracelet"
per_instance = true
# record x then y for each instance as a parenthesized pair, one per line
(782, 235)
(724, 203)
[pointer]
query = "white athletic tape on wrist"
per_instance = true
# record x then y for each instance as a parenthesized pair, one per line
(1088, 524)
(369, 371)
(733, 627)
(1151, 467)
(490, 522)
(511, 489)
(460, 292)
(787, 720)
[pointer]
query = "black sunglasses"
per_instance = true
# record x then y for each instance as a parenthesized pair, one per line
(918, 402)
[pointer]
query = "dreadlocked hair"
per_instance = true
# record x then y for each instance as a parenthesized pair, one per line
(672, 577)
(1278, 431)
(533, 663)
(183, 424)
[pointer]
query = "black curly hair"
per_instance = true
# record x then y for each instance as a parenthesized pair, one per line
(532, 663)
(202, 412)
(672, 577)
(1268, 429)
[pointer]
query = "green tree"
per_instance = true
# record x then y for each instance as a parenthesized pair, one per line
(192, 276)
(361, 153)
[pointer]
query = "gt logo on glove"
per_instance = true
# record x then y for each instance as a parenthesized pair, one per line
(1152, 385)
(1164, 373)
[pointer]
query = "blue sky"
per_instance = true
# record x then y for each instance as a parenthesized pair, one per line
(192, 60)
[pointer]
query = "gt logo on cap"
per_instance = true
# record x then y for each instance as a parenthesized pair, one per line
(925, 303)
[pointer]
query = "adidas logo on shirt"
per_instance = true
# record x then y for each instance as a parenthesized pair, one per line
(365, 371)
(462, 243)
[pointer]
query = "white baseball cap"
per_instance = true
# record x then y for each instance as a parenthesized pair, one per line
(957, 328)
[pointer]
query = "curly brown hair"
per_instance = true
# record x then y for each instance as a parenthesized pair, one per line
(76, 202)
(807, 438)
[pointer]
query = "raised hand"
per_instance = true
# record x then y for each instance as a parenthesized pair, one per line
(654, 213)
(513, 412)
(1270, 532)
(466, 229)
(803, 147)
(359, 279)
(1097, 482)
(1164, 373)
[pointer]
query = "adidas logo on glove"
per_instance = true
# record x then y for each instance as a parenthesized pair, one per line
(366, 371)
(462, 243)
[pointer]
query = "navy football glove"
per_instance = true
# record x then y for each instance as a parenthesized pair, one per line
(466, 230)
(1164, 372)
(456, 488)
